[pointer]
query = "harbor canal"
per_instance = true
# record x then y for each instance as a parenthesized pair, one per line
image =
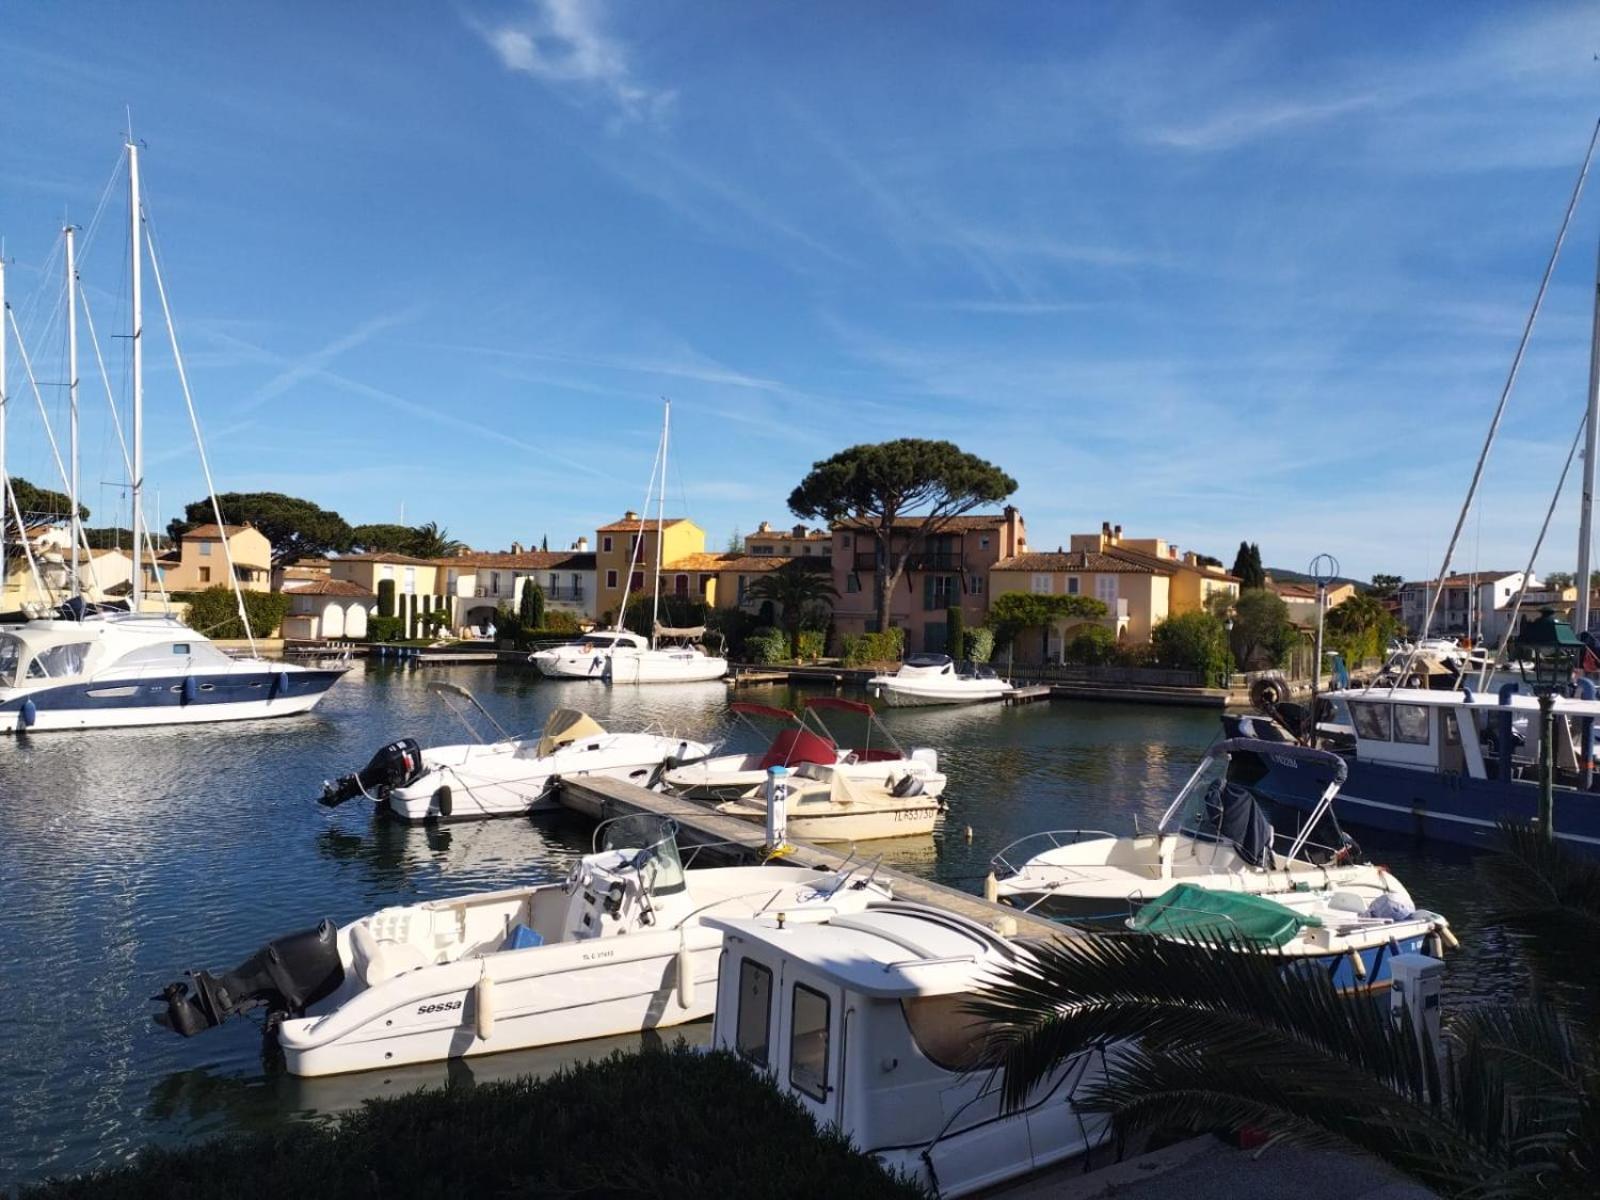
(132, 855)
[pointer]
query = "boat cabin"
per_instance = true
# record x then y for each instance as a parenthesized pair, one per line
(47, 653)
(861, 1018)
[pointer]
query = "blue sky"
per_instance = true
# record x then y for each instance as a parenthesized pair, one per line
(1212, 272)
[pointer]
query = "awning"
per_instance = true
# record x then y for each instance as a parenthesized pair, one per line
(565, 726)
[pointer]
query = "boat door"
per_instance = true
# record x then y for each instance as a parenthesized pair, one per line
(812, 1029)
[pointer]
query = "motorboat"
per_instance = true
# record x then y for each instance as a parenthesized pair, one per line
(1349, 934)
(674, 655)
(623, 944)
(509, 776)
(85, 669)
(863, 1020)
(805, 739)
(925, 679)
(1216, 834)
(586, 657)
(822, 803)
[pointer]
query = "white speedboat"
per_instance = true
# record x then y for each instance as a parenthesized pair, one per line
(1215, 834)
(586, 657)
(508, 777)
(862, 1019)
(684, 660)
(84, 669)
(824, 804)
(621, 945)
(926, 679)
(730, 776)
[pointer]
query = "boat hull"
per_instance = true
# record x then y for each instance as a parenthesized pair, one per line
(167, 700)
(902, 695)
(858, 823)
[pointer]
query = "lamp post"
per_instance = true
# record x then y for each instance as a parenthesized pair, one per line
(1547, 653)
(1227, 628)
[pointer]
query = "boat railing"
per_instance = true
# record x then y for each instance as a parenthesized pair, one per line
(1056, 838)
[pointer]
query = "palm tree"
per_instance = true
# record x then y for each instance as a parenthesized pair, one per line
(431, 541)
(798, 590)
(1213, 1039)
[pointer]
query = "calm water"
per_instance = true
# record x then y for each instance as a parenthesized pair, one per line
(133, 855)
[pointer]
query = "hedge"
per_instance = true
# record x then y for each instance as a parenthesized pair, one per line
(860, 649)
(385, 629)
(812, 644)
(215, 612)
(674, 1122)
(767, 646)
(980, 645)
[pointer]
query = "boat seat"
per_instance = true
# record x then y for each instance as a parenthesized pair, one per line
(375, 961)
(1349, 902)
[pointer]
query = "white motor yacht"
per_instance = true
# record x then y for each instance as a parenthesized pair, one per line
(926, 679)
(586, 657)
(862, 1018)
(86, 669)
(507, 777)
(797, 742)
(621, 945)
(1215, 835)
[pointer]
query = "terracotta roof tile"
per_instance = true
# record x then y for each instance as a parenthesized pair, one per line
(965, 524)
(627, 526)
(1073, 560)
(325, 587)
(736, 562)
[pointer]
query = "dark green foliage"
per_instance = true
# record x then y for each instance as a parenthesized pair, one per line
(507, 624)
(862, 649)
(1384, 586)
(663, 1123)
(418, 541)
(811, 644)
(1247, 566)
(296, 528)
(431, 622)
(532, 607)
(674, 612)
(1359, 629)
(1262, 631)
(434, 541)
(1010, 613)
(385, 629)
(880, 484)
(733, 625)
(1091, 646)
(802, 593)
(36, 502)
(980, 644)
(955, 633)
(556, 621)
(215, 612)
(1194, 641)
(767, 645)
(386, 597)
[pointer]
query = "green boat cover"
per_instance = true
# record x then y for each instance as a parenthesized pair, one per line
(1199, 914)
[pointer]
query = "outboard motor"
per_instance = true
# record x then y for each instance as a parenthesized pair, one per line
(396, 765)
(286, 976)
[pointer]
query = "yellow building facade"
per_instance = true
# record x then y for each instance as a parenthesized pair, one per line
(626, 553)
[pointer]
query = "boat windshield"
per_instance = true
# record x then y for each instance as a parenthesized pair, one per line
(656, 840)
(10, 656)
(1197, 813)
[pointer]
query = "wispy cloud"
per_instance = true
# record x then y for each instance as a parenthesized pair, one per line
(562, 43)
(1247, 123)
(315, 363)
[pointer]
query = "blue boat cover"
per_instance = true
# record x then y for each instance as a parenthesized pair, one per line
(1237, 815)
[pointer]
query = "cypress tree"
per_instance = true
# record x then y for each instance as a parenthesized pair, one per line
(532, 610)
(386, 597)
(955, 633)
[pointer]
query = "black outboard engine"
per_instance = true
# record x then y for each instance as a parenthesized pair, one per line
(285, 976)
(396, 765)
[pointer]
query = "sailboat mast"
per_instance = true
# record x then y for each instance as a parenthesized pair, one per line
(73, 524)
(4, 396)
(137, 337)
(1590, 430)
(661, 524)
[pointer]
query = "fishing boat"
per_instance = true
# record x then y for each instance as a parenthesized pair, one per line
(1351, 934)
(801, 740)
(1216, 834)
(509, 776)
(927, 679)
(586, 657)
(623, 944)
(862, 1019)
(823, 803)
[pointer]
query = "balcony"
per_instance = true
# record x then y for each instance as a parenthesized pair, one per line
(953, 561)
(564, 595)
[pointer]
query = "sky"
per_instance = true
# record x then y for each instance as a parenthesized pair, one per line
(1211, 272)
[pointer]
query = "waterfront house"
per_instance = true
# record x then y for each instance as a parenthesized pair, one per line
(301, 571)
(102, 574)
(1136, 595)
(416, 588)
(725, 580)
(1193, 579)
(477, 583)
(199, 561)
(619, 570)
(1301, 599)
(1473, 604)
(949, 570)
(326, 609)
(797, 542)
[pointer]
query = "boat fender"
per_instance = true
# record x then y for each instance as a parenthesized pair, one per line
(445, 800)
(191, 689)
(1435, 945)
(685, 970)
(483, 1005)
(1356, 965)
(1450, 939)
(991, 888)
(30, 714)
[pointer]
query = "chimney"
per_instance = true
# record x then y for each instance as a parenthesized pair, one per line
(1105, 530)
(799, 531)
(516, 547)
(630, 515)
(1116, 535)
(581, 545)
(764, 527)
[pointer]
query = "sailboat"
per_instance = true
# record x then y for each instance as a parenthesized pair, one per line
(675, 655)
(84, 665)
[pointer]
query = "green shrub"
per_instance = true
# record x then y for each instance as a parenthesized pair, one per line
(1194, 641)
(386, 597)
(507, 625)
(767, 645)
(215, 613)
(859, 649)
(955, 633)
(980, 645)
(433, 621)
(556, 621)
(813, 644)
(1137, 654)
(385, 629)
(712, 1127)
(532, 610)
(1091, 646)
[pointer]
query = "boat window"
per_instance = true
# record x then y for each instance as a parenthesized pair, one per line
(808, 1042)
(1371, 720)
(1452, 731)
(948, 1035)
(161, 655)
(10, 655)
(1411, 724)
(58, 662)
(753, 1031)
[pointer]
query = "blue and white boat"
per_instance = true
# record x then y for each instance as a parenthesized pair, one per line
(1443, 766)
(107, 669)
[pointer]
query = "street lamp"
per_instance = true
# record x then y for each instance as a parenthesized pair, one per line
(1547, 653)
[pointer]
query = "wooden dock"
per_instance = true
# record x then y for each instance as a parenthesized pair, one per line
(741, 842)
(1028, 695)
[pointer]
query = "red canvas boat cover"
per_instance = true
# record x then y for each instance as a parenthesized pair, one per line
(795, 746)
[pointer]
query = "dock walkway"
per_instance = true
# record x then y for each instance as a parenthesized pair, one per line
(741, 842)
